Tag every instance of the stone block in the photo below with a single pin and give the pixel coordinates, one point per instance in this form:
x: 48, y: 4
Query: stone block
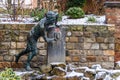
x: 90, y: 73
x: 67, y: 39
x: 89, y: 52
x: 29, y: 26
x: 2, y: 26
x: 7, y: 26
x: 17, y: 65
x: 91, y: 58
x: 70, y: 45
x: 87, y: 45
x: 73, y: 78
x: 76, y: 28
x: 95, y: 46
x: 103, y: 46
x: 111, y: 46
x: 15, y: 38
x: 68, y: 59
x: 111, y: 28
x: 22, y: 27
x: 88, y: 34
x: 24, y: 33
x: 75, y: 58
x: 5, y: 64
x: 101, y: 28
x: 109, y: 52
x: 4, y: 45
x: 90, y: 40
x: 45, y: 68
x: 111, y: 58
x: 109, y: 40
x: 100, y: 39
x: 98, y: 52
x: 4, y: 52
x: 15, y: 26
x: 106, y: 34
x: 13, y: 52
x: 8, y: 58
x: 108, y: 65
x: 102, y: 58
x: 79, y: 46
x: 13, y: 45
x: 59, y: 78
x: 22, y: 38
x: 73, y: 39
x: 77, y: 33
x: 41, y: 45
x: 79, y: 28
x: 74, y: 52
x: 58, y: 64
x: 81, y: 39
x: 1, y: 58
x: 42, y: 52
x: 83, y: 59
x: 58, y: 71
x: 91, y: 28
x: 21, y: 45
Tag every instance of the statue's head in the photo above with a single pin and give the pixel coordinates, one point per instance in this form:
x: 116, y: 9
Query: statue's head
x: 51, y: 17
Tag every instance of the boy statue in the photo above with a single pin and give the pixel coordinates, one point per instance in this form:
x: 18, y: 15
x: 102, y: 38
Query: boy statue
x: 39, y: 30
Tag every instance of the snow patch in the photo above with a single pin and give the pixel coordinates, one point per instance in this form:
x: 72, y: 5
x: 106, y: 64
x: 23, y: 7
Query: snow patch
x: 73, y: 73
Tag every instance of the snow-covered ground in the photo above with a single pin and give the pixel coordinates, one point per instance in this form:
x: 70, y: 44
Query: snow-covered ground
x: 99, y: 73
x: 100, y: 20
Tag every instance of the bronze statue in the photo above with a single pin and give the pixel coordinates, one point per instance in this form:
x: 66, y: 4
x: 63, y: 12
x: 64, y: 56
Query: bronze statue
x: 39, y: 30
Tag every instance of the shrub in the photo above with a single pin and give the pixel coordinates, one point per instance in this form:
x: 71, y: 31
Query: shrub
x: 75, y: 12
x: 9, y: 74
x: 91, y: 19
x: 75, y: 3
x: 38, y: 14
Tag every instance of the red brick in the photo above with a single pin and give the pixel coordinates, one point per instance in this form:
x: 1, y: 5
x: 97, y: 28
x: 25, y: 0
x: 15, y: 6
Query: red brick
x: 5, y: 64
x: 117, y: 35
x: 76, y: 58
x: 91, y: 58
x: 117, y: 56
x: 17, y: 65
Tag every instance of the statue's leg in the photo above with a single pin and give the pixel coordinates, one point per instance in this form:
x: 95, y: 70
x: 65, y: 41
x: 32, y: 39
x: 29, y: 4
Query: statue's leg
x: 25, y: 51
x: 30, y: 57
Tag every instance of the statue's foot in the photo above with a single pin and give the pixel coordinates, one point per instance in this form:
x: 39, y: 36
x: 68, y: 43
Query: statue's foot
x: 16, y: 58
x: 28, y: 68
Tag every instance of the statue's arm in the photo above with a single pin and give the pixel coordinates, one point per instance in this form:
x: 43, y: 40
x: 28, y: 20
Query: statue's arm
x: 48, y: 39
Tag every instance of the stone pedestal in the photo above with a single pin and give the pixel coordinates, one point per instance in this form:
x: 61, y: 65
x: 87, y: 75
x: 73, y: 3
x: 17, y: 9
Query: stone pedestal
x: 56, y: 49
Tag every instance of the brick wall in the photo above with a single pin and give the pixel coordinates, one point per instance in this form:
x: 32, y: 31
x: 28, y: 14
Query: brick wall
x: 90, y: 44
x: 112, y: 11
x: 85, y: 45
